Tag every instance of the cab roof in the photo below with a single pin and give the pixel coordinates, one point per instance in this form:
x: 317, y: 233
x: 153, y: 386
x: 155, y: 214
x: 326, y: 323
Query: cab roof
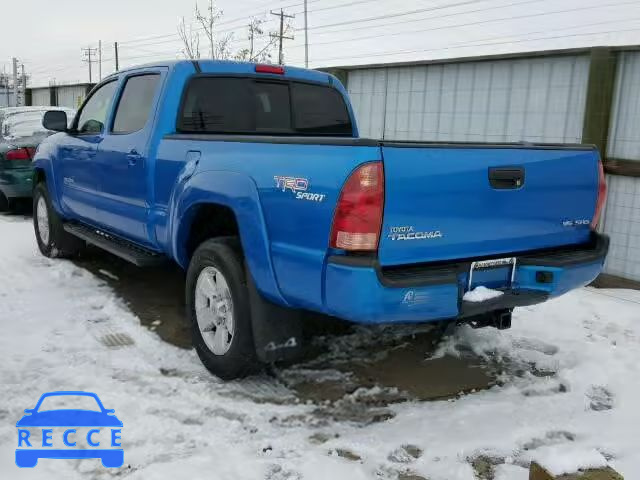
x: 233, y: 67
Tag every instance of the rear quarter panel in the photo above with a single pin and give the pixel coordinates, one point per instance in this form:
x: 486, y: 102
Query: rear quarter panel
x: 285, y: 238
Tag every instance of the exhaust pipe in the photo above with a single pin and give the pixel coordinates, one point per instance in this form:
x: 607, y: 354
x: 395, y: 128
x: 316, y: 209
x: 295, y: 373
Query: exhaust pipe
x: 500, y: 319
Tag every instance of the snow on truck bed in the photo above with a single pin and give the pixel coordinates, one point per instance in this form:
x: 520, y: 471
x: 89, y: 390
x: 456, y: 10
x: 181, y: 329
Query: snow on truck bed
x: 574, y: 405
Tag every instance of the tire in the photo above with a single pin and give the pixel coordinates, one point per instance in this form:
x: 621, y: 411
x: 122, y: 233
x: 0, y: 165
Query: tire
x: 53, y: 242
x: 217, y: 302
x: 4, y: 203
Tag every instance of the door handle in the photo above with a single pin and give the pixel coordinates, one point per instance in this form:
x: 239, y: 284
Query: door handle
x: 133, y: 156
x: 506, y: 178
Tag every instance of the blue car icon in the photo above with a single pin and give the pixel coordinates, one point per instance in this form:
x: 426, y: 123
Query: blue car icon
x: 97, y: 416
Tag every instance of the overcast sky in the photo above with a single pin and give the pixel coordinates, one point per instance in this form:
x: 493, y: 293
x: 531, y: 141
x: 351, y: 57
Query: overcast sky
x: 47, y: 36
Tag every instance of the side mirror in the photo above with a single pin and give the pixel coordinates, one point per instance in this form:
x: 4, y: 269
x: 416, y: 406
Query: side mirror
x: 55, y: 120
x: 29, y: 410
x: 109, y: 411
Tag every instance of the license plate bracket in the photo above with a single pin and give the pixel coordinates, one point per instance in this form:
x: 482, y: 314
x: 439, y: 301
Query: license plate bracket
x: 493, y: 263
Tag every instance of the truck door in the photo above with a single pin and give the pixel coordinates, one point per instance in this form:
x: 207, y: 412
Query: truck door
x: 77, y: 157
x: 123, y: 159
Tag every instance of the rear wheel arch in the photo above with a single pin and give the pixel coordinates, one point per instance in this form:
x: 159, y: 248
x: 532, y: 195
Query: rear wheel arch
x: 237, y: 196
x: 202, y: 222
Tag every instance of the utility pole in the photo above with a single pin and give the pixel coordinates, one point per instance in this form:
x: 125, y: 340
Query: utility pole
x: 24, y: 86
x: 281, y: 36
x: 88, y: 52
x: 306, y: 37
x: 115, y: 47
x: 4, y: 81
x: 251, y: 37
x: 99, y: 60
x: 15, y: 81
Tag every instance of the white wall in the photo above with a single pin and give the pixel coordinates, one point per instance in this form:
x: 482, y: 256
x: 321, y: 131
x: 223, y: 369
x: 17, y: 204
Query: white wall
x: 531, y: 99
x: 40, y: 96
x: 622, y: 214
x: 6, y: 97
x: 71, y: 96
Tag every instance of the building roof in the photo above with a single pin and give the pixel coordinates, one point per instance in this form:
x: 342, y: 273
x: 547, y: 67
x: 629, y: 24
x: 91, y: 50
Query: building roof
x: 499, y: 56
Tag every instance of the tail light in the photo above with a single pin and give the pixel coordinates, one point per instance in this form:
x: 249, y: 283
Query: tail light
x: 20, y: 154
x: 602, y: 195
x: 276, y: 69
x: 358, y: 216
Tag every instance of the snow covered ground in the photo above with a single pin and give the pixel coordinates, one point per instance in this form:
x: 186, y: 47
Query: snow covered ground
x: 569, y: 394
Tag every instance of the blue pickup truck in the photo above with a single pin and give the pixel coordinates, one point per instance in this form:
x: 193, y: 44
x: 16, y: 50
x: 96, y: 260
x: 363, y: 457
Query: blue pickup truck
x: 254, y: 180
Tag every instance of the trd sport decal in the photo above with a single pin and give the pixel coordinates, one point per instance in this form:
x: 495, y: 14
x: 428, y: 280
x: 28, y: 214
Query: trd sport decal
x: 298, y: 186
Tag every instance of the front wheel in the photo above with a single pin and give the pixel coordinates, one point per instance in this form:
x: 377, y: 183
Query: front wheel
x: 4, y: 203
x: 218, y: 308
x: 53, y: 240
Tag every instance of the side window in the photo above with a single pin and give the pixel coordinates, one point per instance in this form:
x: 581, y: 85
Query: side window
x: 319, y: 110
x: 94, y: 112
x: 134, y: 107
x: 272, y: 109
x: 218, y: 105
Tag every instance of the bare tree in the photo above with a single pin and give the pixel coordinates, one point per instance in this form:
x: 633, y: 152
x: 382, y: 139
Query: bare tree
x: 190, y: 39
x: 219, y: 45
x: 257, y: 51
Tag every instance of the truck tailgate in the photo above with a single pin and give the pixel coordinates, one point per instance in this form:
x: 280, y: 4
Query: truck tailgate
x: 452, y: 202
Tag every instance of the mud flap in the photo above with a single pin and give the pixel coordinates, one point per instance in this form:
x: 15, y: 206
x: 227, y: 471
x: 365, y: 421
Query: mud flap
x: 277, y: 331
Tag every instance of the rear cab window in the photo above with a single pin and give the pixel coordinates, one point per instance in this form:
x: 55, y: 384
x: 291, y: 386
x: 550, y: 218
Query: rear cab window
x: 256, y: 106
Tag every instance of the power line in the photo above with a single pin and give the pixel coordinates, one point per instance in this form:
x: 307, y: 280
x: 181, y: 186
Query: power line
x: 197, y: 30
x: 167, y: 38
x: 243, y: 18
x: 400, y: 14
x: 606, y: 22
x: 401, y: 52
x: 415, y: 20
x: 135, y: 44
x: 467, y: 24
x: 342, y: 5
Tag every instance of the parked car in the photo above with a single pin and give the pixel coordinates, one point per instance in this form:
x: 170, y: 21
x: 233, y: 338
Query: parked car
x: 21, y: 131
x: 253, y: 178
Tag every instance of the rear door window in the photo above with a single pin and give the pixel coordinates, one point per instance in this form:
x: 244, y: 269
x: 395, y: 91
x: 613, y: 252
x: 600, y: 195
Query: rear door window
x: 136, y: 102
x: 255, y: 106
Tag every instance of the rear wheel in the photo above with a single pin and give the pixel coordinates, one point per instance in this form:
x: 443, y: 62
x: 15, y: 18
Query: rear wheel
x: 218, y: 309
x: 53, y: 240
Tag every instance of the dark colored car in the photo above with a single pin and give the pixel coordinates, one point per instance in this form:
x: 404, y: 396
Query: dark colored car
x: 21, y: 132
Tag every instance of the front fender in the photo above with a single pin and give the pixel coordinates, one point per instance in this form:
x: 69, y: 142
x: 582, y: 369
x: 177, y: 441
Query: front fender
x: 239, y: 193
x: 43, y: 162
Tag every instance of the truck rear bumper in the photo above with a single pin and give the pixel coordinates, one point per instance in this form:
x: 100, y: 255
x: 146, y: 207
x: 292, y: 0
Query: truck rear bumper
x: 359, y: 290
